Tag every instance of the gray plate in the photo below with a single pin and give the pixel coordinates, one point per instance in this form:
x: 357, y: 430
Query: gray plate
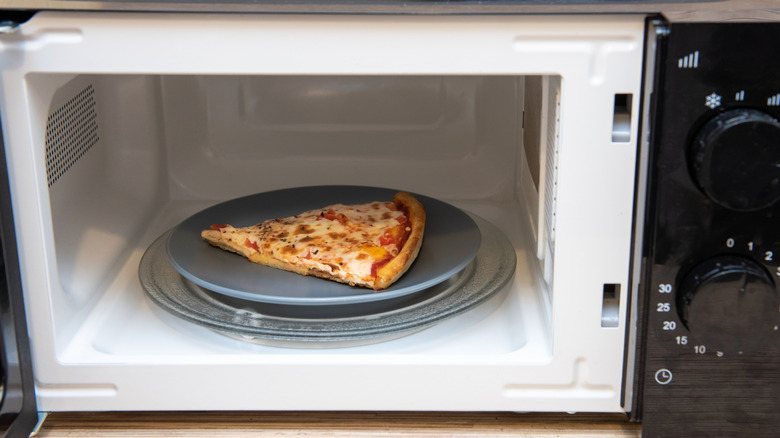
x: 450, y: 243
x: 361, y: 323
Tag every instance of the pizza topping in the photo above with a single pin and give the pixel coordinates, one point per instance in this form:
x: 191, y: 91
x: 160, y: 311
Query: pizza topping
x: 386, y: 239
x: 249, y: 244
x: 379, y: 264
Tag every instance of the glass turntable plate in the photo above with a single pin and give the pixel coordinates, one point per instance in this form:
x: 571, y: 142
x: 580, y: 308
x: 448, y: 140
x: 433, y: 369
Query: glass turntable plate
x: 450, y: 242
x: 337, y: 325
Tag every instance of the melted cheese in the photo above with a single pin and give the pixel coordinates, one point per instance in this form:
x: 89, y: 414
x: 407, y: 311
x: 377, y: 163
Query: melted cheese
x: 345, y: 241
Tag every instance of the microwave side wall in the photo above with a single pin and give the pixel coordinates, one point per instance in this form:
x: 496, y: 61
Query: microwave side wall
x: 176, y: 132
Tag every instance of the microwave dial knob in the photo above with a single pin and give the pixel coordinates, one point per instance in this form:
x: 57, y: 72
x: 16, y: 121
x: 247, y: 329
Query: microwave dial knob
x: 729, y: 304
x: 735, y: 159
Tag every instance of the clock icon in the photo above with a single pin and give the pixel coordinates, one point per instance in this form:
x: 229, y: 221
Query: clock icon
x: 663, y: 376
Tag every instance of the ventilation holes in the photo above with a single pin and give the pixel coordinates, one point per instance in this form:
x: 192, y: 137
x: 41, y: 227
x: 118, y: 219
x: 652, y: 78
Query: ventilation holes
x: 71, y: 131
x: 551, y: 174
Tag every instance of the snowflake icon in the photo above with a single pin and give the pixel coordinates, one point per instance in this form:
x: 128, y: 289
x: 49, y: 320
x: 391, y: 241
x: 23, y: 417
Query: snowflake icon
x: 713, y: 100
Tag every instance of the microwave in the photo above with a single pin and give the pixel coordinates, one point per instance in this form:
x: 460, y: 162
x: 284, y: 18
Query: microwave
x: 618, y: 164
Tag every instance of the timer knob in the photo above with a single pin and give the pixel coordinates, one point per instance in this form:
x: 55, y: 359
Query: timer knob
x: 729, y: 304
x: 735, y: 158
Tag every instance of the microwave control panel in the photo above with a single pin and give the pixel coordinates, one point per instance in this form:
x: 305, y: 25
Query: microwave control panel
x: 711, y: 288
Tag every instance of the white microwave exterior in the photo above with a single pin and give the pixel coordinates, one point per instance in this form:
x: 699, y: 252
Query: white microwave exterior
x: 577, y: 366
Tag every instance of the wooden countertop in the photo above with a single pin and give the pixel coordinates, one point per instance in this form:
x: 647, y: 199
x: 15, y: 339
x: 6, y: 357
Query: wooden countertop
x: 335, y: 424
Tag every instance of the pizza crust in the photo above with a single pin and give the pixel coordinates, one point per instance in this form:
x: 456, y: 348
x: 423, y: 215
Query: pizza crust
x: 389, y: 273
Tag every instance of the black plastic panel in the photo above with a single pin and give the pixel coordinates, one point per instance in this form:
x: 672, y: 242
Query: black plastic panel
x: 691, y: 388
x: 18, y: 411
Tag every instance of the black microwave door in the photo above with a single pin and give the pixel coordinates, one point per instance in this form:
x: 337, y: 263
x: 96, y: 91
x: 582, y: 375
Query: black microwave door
x: 18, y: 411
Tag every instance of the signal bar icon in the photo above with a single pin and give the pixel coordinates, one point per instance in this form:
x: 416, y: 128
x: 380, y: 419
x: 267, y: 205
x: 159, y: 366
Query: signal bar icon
x: 773, y: 100
x: 689, y: 61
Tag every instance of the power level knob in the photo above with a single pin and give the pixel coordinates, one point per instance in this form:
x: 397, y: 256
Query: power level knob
x: 735, y: 158
x: 729, y: 304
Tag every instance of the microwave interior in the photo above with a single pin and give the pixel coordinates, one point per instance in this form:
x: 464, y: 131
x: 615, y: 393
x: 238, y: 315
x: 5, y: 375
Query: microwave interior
x: 129, y: 157
x: 545, y: 155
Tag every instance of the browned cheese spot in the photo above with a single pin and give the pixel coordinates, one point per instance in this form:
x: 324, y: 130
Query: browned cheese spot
x: 304, y: 229
x: 289, y: 250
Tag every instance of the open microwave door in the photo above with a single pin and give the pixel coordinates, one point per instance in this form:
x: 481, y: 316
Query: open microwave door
x: 18, y: 411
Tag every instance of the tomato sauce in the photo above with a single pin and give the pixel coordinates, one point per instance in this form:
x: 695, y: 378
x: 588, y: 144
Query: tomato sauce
x: 249, y: 244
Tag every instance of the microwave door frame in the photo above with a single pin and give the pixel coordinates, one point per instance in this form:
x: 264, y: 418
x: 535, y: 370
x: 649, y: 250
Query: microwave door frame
x: 18, y: 408
x: 657, y: 28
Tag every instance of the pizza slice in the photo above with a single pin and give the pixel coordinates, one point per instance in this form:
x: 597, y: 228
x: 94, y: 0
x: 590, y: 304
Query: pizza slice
x: 369, y: 245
